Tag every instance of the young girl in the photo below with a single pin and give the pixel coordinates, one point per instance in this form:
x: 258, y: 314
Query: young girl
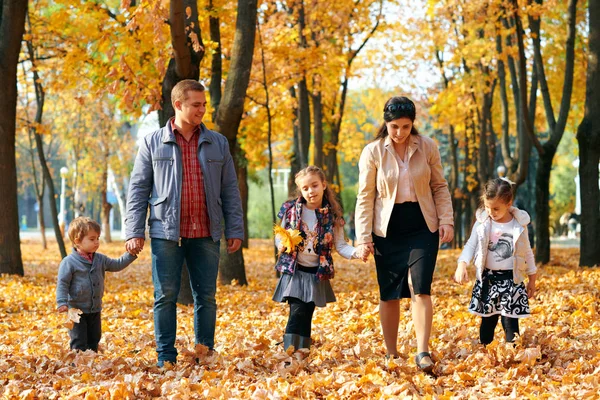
x: 307, y: 268
x: 81, y: 282
x: 503, y: 258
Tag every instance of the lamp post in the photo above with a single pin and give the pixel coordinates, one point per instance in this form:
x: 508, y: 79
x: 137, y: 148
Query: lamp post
x: 61, y: 217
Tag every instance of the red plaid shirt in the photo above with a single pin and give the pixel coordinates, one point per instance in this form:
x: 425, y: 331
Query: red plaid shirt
x: 194, y: 221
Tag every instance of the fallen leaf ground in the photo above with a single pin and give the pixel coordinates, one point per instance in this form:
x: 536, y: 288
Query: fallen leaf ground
x: 556, y: 357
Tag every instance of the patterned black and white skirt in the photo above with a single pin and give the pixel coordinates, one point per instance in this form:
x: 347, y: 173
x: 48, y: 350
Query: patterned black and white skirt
x: 498, y: 294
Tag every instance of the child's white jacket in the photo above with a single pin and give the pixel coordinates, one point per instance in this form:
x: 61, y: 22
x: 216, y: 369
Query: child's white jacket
x: 477, y: 246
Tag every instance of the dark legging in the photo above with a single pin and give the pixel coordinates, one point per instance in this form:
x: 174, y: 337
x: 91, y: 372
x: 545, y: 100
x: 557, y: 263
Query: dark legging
x: 488, y: 324
x: 300, y: 319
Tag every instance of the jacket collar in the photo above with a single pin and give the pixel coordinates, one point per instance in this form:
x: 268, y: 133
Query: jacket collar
x: 521, y: 216
x: 169, y: 136
x: 413, y: 144
x: 81, y: 258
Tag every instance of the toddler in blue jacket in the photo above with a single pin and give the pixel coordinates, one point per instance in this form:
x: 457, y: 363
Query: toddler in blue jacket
x: 81, y: 282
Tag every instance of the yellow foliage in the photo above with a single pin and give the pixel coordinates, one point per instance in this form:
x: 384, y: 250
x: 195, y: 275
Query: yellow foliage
x: 556, y: 353
x: 289, y: 238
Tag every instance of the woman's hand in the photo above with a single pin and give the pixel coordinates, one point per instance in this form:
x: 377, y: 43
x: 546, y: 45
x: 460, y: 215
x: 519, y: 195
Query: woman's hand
x: 364, y: 250
x: 461, y: 276
x: 446, y: 233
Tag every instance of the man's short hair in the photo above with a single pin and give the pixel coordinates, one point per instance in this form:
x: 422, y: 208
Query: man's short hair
x: 180, y: 91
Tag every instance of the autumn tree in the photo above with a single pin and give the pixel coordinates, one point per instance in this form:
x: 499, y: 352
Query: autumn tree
x: 588, y: 136
x: 229, y: 116
x: 35, y: 128
x: 12, y: 24
x: 555, y: 124
x: 188, y: 51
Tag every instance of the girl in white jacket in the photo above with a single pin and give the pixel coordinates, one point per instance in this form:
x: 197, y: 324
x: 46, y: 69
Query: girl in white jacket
x: 502, y: 255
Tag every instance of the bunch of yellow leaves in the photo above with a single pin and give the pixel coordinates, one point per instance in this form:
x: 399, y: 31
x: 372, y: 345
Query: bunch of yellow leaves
x: 289, y: 238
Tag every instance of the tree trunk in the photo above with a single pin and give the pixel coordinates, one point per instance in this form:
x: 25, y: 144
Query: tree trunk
x: 39, y: 189
x: 555, y: 127
x: 230, y: 113
x: 188, y: 49
x: 542, y: 200
x: 304, y: 121
x: 41, y: 222
x: 483, y: 168
x: 12, y: 23
x: 318, y: 128
x: 588, y: 136
x: 331, y: 161
x: 303, y: 95
x: 267, y: 105
x: 295, y: 163
x: 242, y: 175
x: 217, y: 63
x: 51, y: 196
x: 106, y: 207
x: 40, y: 98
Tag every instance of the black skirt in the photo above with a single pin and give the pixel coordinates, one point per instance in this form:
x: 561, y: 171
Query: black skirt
x: 408, y: 245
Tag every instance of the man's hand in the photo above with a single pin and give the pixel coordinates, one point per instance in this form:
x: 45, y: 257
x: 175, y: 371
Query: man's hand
x: 446, y: 233
x: 63, y: 308
x: 134, y: 246
x: 233, y: 245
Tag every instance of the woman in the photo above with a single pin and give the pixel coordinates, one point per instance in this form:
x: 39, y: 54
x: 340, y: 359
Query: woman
x: 403, y: 209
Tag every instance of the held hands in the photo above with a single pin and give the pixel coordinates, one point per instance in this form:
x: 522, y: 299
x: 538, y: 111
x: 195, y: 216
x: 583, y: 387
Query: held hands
x: 461, y: 276
x: 364, y: 250
x: 134, y: 246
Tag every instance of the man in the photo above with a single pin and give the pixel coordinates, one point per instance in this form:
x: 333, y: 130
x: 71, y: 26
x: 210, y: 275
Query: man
x: 185, y: 174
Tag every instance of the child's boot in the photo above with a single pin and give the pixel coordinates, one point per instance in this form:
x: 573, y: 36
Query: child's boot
x: 292, y: 339
x: 305, y: 343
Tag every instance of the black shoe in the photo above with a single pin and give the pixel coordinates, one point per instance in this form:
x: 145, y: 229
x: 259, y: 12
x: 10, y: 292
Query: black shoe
x: 425, y: 367
x: 163, y: 363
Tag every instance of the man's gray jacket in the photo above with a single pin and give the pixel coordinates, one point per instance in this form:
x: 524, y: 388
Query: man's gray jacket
x: 156, y: 182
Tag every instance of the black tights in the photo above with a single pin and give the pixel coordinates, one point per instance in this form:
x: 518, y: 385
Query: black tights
x: 300, y: 319
x: 488, y: 324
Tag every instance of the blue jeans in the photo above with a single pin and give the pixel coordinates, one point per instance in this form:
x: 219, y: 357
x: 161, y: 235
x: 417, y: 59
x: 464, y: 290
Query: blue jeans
x: 202, y: 258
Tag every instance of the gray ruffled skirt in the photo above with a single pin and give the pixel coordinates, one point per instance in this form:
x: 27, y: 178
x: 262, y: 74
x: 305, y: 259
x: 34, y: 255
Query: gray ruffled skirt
x: 304, y: 286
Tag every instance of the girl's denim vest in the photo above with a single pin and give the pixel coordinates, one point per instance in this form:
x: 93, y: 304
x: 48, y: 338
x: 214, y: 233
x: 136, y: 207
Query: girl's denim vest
x: 292, y: 210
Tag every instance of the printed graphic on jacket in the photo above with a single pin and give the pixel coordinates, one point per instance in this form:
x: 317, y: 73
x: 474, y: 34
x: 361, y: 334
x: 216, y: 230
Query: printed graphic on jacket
x: 311, y: 237
x: 500, y: 246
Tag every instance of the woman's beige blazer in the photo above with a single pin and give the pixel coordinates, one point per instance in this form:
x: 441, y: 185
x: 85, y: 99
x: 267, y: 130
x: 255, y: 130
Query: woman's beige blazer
x: 378, y: 183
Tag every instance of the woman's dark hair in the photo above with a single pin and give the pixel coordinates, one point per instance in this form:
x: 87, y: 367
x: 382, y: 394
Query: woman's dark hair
x: 397, y: 107
x: 498, y: 189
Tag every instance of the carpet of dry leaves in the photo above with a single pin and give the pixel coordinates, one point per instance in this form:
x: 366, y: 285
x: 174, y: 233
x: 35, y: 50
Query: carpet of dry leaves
x: 556, y: 357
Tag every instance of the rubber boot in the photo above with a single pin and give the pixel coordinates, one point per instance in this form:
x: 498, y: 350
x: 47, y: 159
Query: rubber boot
x: 305, y: 343
x: 292, y: 339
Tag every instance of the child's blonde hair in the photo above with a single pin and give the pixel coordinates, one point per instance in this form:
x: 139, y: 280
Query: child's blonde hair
x: 335, y: 205
x: 80, y: 227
